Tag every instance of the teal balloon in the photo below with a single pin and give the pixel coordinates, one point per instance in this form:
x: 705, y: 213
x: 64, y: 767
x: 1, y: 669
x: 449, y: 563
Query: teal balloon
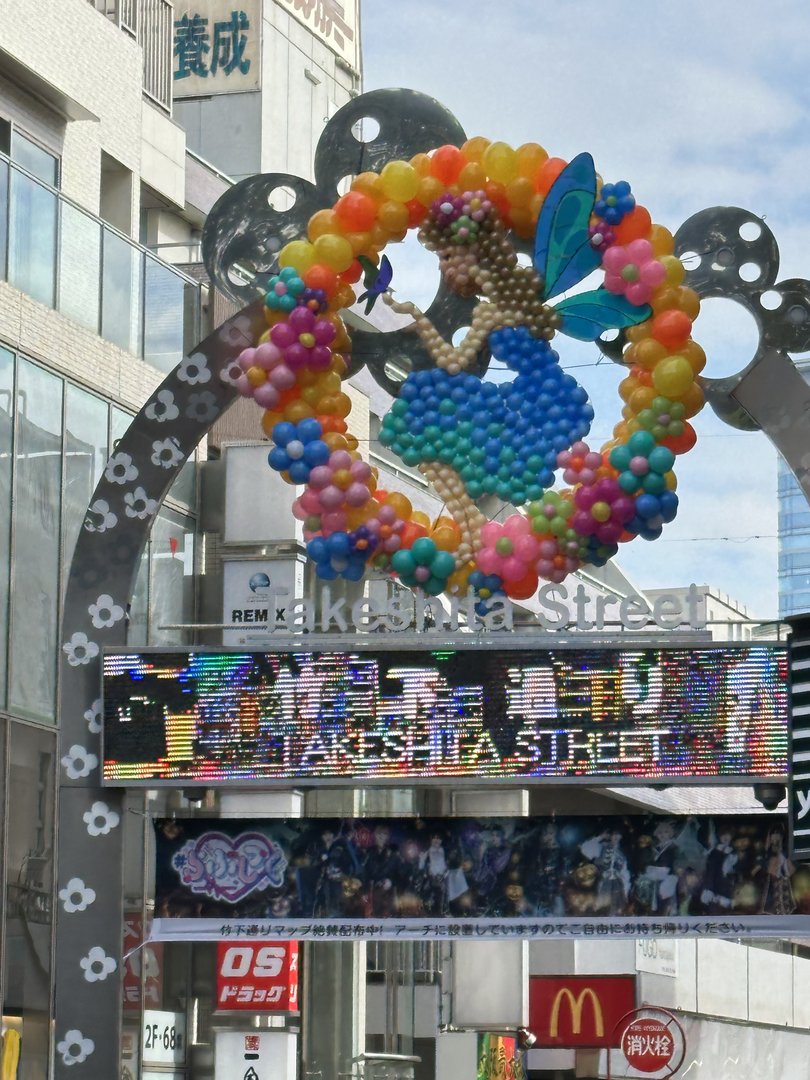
x: 403, y: 561
x: 661, y: 459
x: 654, y: 483
x: 620, y: 458
x: 443, y: 564
x: 475, y: 490
x: 628, y: 482
x: 411, y: 457
x: 640, y: 443
x: 433, y: 586
x: 423, y: 550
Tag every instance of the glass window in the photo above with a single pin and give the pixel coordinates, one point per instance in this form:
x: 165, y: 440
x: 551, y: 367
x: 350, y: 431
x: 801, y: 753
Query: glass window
x: 121, y: 293
x: 85, y: 456
x: 3, y: 219
x: 29, y: 891
x: 6, y: 449
x: 79, y: 258
x: 164, y: 299
x: 38, y: 162
x: 171, y: 590
x: 32, y: 238
x: 35, y: 607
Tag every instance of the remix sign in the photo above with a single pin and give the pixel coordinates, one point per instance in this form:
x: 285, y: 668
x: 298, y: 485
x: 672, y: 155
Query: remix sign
x: 257, y: 976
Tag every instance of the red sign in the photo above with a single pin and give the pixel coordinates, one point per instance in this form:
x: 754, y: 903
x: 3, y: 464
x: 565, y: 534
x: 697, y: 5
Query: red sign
x: 259, y: 976
x: 571, y: 1010
x: 149, y: 957
x: 648, y: 1045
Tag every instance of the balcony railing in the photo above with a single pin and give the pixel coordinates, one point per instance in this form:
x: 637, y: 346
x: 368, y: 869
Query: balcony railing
x: 74, y: 262
x: 150, y: 22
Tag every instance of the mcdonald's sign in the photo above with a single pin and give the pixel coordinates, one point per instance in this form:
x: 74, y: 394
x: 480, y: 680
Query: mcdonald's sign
x: 579, y: 1010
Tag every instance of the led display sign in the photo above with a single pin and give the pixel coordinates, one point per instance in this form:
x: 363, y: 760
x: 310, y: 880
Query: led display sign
x: 211, y: 718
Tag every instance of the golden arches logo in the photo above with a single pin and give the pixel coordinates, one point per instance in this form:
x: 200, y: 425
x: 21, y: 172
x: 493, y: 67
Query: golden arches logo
x: 576, y: 1006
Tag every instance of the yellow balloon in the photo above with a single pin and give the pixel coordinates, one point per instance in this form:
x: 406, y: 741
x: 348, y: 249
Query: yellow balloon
x: 530, y: 158
x: 333, y: 251
x: 399, y: 181
x: 500, y: 162
x: 673, y: 377
x: 674, y: 268
x: 420, y: 518
x: 475, y: 148
x: 662, y: 240
x: 299, y: 254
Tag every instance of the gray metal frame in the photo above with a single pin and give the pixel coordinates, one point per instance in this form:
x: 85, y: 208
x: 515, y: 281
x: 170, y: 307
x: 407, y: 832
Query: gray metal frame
x: 89, y: 910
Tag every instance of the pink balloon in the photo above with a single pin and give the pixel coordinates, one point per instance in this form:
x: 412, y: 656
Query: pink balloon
x: 332, y: 497
x: 267, y: 356
x: 360, y: 470
x: 301, y: 320
x: 311, y: 501
x: 515, y: 526
x: 334, y: 521
x: 266, y: 396
x: 283, y: 335
x: 244, y: 386
x: 386, y: 514
x: 527, y: 548
x: 583, y: 523
x: 548, y: 549
x: 488, y: 561
x: 324, y: 332
x: 299, y: 511
x: 513, y: 569
x: 490, y: 534
x: 320, y: 357
x: 281, y: 377
x: 245, y: 359
x: 320, y: 477
x: 608, y: 532
x: 357, y: 494
x: 297, y: 356
x: 340, y: 459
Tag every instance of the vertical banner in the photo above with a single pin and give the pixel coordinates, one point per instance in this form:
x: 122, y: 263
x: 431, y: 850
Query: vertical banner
x: 258, y: 976
x: 799, y: 664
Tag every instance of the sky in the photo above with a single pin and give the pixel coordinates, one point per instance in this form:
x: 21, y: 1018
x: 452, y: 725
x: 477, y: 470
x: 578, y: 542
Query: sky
x: 699, y: 103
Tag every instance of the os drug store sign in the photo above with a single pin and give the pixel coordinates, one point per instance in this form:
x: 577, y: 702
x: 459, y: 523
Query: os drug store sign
x: 257, y: 976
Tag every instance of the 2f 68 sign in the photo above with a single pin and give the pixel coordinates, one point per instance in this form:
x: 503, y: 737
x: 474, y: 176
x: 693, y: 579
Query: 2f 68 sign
x: 258, y: 976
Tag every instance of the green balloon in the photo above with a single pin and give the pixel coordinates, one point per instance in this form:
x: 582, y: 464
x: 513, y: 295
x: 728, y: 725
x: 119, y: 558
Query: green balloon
x: 654, y: 483
x: 423, y: 550
x: 442, y: 565
x: 403, y: 561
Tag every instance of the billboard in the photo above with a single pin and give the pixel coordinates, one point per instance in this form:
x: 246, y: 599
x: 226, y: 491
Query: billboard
x: 572, y: 1010
x: 216, y: 47
x: 397, y: 714
x: 390, y: 878
x: 257, y: 976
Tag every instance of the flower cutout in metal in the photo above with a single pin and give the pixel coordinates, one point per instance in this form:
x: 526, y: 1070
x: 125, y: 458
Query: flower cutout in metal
x: 166, y: 453
x: 139, y: 505
x: 80, y: 650
x: 194, y: 369
x: 100, y: 819
x: 75, y: 1048
x: 105, y: 612
x: 120, y: 469
x: 97, y: 965
x: 162, y: 407
x: 76, y: 896
x: 79, y: 762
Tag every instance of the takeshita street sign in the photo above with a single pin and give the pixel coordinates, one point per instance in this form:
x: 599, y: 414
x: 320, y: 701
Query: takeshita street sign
x: 200, y: 717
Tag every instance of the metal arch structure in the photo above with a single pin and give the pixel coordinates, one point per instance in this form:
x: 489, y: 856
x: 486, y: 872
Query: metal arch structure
x: 768, y: 393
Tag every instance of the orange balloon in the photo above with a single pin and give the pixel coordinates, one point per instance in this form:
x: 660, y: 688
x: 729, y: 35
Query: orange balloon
x: 421, y: 164
x: 369, y: 184
x: 356, y: 211
x: 680, y: 444
x: 446, y: 163
x: 634, y: 226
x: 523, y: 589
x: 321, y: 223
x: 393, y: 216
x: 430, y: 188
x: 646, y: 353
x: 671, y: 328
x: 475, y: 148
x: 548, y: 173
x: 416, y: 213
x: 662, y: 240
x: 353, y: 274
x: 472, y: 177
x: 410, y: 532
x: 297, y: 411
x: 321, y: 277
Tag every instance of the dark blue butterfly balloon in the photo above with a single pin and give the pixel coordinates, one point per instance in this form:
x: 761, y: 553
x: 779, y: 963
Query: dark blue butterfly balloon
x: 376, y: 281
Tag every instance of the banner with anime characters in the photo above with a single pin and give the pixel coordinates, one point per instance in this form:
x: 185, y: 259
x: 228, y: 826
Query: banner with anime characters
x: 390, y: 878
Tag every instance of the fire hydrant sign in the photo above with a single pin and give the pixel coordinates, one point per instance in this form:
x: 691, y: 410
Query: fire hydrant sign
x: 648, y: 1045
x: 260, y: 976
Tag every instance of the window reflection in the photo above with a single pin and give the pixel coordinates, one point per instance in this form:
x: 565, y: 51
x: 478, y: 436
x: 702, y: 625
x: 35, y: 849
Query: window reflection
x: 32, y: 238
x: 79, y: 257
x: 6, y: 434
x: 85, y: 456
x: 164, y: 299
x: 34, y: 612
x: 121, y: 293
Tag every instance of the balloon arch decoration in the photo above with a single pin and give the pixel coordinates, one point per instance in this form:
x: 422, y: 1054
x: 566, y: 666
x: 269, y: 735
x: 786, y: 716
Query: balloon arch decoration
x: 479, y: 206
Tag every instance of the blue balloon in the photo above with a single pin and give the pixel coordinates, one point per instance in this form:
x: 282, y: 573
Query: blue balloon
x: 278, y: 459
x: 283, y: 433
x: 299, y: 472
x: 309, y: 429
